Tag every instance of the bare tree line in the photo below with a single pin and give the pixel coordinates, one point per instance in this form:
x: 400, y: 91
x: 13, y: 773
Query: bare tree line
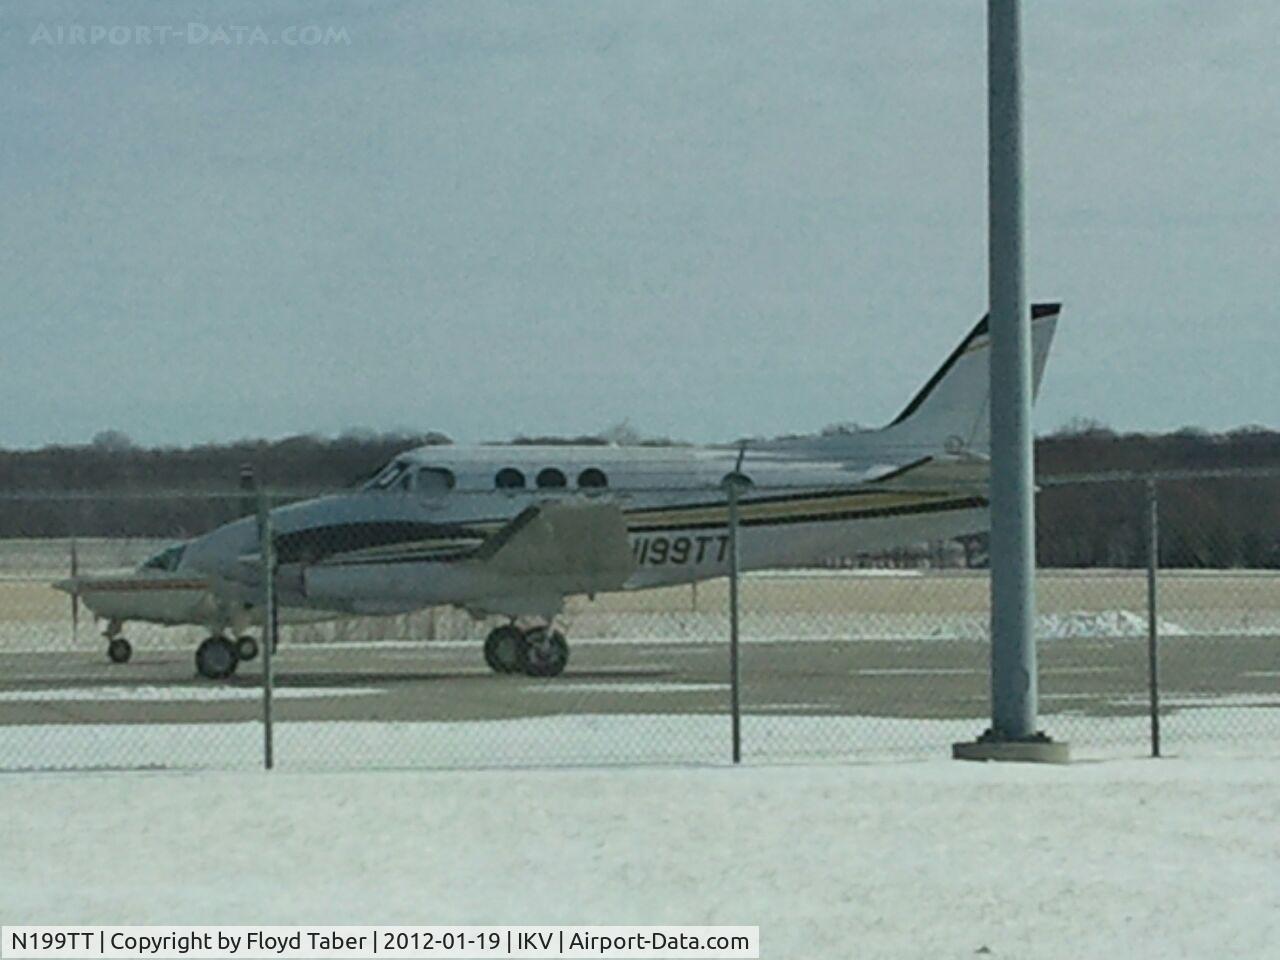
x: 1212, y: 522
x: 101, y: 489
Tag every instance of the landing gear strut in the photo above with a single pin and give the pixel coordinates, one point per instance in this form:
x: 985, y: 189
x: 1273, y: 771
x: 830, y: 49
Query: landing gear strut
x: 537, y: 652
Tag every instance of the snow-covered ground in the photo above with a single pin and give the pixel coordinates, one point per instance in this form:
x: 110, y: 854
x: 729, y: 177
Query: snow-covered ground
x: 1119, y: 858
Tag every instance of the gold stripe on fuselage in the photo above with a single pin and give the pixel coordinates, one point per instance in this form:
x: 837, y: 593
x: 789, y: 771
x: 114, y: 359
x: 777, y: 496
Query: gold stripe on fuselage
x: 809, y: 506
x: 142, y: 584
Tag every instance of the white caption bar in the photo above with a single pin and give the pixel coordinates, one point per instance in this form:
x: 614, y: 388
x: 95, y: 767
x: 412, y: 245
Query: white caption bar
x: 396, y: 942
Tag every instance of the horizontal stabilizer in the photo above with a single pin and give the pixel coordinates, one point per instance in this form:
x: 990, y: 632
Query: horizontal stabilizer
x: 958, y: 472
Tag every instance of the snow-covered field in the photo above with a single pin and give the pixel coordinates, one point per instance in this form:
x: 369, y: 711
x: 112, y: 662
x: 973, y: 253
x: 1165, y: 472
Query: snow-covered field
x: 937, y: 859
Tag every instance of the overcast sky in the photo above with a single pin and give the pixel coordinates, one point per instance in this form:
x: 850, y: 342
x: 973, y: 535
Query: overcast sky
x: 715, y: 219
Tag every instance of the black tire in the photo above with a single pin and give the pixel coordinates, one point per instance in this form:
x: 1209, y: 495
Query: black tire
x: 502, y: 649
x: 119, y: 650
x: 246, y: 648
x: 545, y: 653
x: 216, y: 658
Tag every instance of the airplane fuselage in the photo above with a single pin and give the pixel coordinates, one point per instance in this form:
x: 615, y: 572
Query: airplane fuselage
x: 396, y: 544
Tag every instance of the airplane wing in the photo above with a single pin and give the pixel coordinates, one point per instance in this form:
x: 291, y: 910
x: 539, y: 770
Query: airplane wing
x: 568, y: 546
x: 548, y: 552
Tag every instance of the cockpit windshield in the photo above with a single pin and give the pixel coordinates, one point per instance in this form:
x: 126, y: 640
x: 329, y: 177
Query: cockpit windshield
x: 167, y: 559
x: 386, y: 478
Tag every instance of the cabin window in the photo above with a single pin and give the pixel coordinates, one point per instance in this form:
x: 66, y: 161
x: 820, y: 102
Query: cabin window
x: 509, y: 478
x: 435, y: 480
x: 592, y: 478
x: 551, y: 477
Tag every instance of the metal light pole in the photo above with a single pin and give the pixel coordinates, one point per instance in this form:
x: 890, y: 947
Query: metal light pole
x: 1013, y: 607
x: 1013, y: 734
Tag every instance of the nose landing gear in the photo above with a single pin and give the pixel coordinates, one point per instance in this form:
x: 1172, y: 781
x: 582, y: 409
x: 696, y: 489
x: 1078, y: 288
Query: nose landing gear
x: 536, y: 652
x: 119, y: 650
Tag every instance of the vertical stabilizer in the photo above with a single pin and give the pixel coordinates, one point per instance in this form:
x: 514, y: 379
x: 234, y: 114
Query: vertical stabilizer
x: 951, y: 411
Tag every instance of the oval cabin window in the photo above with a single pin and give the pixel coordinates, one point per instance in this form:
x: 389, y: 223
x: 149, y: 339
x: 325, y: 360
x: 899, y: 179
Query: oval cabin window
x: 551, y: 477
x: 509, y: 478
x: 592, y: 478
x: 435, y: 480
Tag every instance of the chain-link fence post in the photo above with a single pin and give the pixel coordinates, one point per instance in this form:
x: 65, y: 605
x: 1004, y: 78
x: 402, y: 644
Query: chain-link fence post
x: 731, y: 489
x: 267, y: 554
x: 1153, y: 662
x: 75, y: 591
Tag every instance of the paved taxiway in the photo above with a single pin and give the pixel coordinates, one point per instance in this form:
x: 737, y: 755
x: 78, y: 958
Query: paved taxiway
x: 448, y: 681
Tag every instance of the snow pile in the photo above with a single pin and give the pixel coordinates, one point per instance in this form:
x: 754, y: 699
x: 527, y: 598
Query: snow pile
x: 680, y: 627
x: 1074, y: 625
x: 176, y: 693
x: 1135, y: 859
x: 713, y: 627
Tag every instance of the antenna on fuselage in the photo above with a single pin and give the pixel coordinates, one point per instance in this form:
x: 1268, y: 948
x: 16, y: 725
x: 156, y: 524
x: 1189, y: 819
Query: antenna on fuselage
x: 248, y: 501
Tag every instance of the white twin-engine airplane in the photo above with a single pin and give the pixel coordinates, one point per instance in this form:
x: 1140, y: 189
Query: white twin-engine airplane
x: 512, y: 531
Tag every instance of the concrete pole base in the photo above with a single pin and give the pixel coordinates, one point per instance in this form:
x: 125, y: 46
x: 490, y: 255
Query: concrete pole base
x: 1035, y: 749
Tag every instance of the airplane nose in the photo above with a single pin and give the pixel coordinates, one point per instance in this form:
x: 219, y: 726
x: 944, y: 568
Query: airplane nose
x: 70, y: 585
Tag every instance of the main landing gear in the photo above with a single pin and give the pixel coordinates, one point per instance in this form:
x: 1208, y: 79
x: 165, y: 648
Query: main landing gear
x: 536, y: 652
x: 217, y: 657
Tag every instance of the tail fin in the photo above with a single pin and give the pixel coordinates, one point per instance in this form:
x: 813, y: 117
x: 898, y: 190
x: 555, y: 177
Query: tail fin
x: 951, y: 412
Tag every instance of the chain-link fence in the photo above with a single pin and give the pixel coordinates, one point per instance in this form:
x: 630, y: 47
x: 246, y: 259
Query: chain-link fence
x: 1176, y: 577
x: 130, y: 639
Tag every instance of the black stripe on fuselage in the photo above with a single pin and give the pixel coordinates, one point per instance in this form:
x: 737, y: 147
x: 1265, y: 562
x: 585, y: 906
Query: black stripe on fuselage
x: 936, y: 506
x: 317, y: 543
